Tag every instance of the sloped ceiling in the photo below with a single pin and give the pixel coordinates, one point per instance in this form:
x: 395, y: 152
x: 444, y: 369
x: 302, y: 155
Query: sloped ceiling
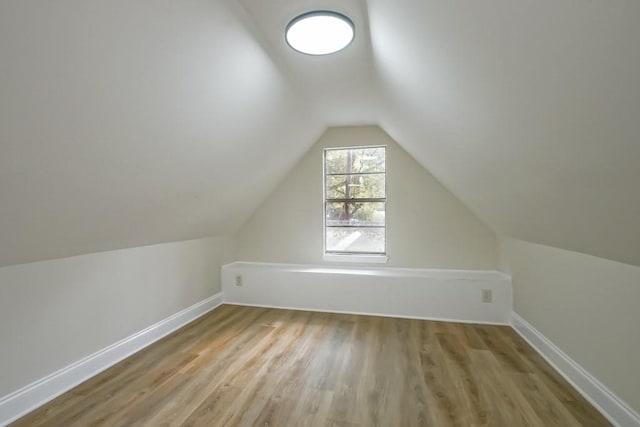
x: 528, y: 111
x: 131, y: 123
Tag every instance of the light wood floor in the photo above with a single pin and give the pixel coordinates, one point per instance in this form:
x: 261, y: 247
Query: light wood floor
x: 266, y: 367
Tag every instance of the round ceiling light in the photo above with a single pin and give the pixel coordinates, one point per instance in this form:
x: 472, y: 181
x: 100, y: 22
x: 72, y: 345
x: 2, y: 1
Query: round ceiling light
x: 319, y: 32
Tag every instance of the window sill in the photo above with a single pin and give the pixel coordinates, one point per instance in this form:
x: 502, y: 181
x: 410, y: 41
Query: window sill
x: 373, y: 259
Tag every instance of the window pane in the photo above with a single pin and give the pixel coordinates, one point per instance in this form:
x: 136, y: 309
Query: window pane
x: 354, y: 225
x: 345, y: 239
x: 359, y: 160
x: 356, y: 186
x: 355, y: 213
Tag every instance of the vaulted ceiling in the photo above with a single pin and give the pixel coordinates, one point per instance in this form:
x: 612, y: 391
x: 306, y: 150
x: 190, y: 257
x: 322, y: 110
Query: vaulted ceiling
x: 130, y: 123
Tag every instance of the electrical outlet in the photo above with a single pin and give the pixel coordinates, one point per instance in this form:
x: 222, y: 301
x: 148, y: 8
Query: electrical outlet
x: 487, y: 295
x: 238, y: 280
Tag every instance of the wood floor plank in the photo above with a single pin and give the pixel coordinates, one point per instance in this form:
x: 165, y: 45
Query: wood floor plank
x: 245, y: 366
x: 458, y: 363
x: 551, y: 411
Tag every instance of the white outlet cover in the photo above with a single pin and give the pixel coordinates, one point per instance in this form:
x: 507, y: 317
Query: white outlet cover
x: 487, y: 295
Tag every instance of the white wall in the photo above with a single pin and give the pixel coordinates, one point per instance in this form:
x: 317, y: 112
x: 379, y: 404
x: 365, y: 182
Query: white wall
x: 427, y: 227
x: 53, y: 313
x: 398, y: 292
x: 586, y: 306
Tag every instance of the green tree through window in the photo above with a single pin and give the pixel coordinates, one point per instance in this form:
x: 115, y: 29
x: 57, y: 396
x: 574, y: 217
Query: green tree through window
x: 355, y: 200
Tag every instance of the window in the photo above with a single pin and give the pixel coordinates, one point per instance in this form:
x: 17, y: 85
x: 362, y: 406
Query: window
x: 355, y: 201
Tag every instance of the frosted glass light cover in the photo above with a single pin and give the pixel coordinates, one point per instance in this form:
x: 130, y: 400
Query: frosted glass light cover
x: 319, y: 33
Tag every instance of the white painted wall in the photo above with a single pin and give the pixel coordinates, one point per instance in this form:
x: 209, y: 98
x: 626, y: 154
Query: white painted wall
x: 398, y: 292
x: 586, y: 306
x: 54, y: 313
x: 427, y: 227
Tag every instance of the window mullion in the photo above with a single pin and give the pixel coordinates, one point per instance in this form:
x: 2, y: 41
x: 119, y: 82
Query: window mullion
x: 354, y: 200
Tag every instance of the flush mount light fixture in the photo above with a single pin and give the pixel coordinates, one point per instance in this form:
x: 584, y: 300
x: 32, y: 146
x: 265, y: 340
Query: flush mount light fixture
x: 319, y: 32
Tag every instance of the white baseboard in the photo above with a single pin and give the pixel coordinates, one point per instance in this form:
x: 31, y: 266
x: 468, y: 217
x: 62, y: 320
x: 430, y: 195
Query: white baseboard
x: 363, y: 313
x: 28, y: 398
x: 610, y: 405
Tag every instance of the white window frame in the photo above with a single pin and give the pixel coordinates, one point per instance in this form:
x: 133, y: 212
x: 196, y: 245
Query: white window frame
x: 352, y: 257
